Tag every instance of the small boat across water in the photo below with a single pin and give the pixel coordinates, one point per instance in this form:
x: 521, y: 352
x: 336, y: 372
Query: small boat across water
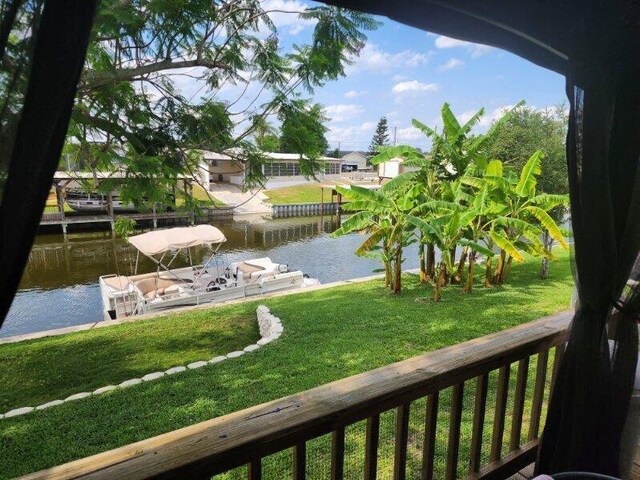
x: 211, y: 282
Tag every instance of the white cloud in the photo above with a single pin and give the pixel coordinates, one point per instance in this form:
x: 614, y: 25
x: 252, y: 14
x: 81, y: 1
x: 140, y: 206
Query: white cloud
x: 414, y: 86
x: 474, y: 49
x: 398, y: 78
x: 285, y: 15
x: 342, y: 111
x: 354, y: 136
x: 450, y: 64
x: 487, y: 119
x: 355, y: 93
x: 372, y: 58
x: 406, y: 135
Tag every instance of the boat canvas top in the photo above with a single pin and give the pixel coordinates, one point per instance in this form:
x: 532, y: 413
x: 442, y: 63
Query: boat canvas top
x: 161, y: 241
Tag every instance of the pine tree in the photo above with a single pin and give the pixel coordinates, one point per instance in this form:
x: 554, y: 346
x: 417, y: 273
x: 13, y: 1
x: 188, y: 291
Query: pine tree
x: 381, y: 137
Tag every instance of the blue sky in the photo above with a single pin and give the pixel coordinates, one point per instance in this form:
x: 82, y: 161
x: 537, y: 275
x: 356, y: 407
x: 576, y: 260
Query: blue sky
x: 406, y: 73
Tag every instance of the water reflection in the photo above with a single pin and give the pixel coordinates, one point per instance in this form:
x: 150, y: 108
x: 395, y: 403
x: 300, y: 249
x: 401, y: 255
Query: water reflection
x: 59, y: 286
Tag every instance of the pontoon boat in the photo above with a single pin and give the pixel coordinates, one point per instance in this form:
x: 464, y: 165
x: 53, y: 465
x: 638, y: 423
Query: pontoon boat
x: 211, y: 282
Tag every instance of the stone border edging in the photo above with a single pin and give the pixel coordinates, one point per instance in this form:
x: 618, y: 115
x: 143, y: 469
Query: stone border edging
x: 270, y: 328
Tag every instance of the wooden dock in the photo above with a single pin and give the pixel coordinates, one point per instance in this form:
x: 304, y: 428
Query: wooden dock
x: 107, y: 221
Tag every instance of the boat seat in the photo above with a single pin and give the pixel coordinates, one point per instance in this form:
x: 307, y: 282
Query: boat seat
x: 246, y: 270
x: 154, y: 286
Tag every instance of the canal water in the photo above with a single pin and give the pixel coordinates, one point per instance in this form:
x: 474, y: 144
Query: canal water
x: 59, y: 287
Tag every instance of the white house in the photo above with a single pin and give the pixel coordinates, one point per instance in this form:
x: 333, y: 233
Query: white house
x: 281, y: 168
x: 352, y: 161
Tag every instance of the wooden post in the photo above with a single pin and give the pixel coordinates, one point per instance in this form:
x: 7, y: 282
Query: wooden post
x: 337, y: 454
x: 110, y: 204
x: 60, y: 200
x: 299, y: 461
x: 155, y: 218
x: 110, y: 212
x: 321, y: 208
x: 478, y: 422
x: 371, y: 448
x: 402, y: 438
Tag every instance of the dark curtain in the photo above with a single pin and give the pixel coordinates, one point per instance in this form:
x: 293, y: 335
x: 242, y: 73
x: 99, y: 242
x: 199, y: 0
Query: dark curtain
x: 595, y: 381
x: 42, y: 49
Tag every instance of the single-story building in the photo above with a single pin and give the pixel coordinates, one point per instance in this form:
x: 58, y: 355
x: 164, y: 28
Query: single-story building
x: 352, y: 161
x: 223, y: 167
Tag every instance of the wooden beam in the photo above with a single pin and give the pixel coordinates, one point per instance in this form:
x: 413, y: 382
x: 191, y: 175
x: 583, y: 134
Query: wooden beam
x: 509, y: 464
x: 217, y: 445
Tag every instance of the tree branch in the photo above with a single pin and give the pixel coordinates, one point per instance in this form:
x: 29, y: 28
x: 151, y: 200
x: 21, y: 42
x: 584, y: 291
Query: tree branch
x: 93, y: 79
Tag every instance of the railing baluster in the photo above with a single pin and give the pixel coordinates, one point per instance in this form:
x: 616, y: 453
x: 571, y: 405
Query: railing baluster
x: 337, y: 454
x: 479, y: 411
x: 454, y: 432
x: 501, y: 408
x: 557, y: 359
x: 518, y: 404
x: 371, y: 448
x: 300, y: 461
x: 538, y: 394
x: 255, y: 469
x: 402, y: 437
x: 429, y: 448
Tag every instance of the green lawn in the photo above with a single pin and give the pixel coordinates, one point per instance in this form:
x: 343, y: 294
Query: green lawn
x: 329, y: 334
x: 91, y: 359
x: 199, y: 193
x: 307, y: 193
x: 52, y: 206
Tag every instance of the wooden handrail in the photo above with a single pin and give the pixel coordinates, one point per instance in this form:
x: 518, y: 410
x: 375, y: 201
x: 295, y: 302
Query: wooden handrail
x: 246, y: 436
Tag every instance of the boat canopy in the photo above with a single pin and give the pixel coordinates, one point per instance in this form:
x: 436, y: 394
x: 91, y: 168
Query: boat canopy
x: 161, y: 241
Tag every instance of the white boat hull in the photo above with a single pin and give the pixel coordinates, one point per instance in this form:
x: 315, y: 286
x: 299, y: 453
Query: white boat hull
x: 126, y: 296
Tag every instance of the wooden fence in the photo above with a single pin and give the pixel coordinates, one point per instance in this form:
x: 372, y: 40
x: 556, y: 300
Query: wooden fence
x: 483, y: 365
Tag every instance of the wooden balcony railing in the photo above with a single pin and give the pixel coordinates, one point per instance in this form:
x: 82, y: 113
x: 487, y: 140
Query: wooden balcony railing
x: 467, y: 386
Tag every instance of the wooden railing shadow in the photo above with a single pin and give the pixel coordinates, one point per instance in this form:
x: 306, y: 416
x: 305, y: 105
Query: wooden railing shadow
x: 247, y: 437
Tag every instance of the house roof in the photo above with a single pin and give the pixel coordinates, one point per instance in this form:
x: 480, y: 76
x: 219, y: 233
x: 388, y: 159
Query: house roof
x: 291, y: 157
x: 344, y: 153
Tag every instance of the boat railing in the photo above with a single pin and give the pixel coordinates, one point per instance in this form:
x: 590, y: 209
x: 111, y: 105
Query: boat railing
x: 447, y: 414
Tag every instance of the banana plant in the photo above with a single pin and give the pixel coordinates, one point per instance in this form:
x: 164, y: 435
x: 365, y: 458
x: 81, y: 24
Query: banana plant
x: 454, y: 149
x: 445, y: 232
x: 424, y: 178
x: 380, y: 215
x: 520, y: 215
